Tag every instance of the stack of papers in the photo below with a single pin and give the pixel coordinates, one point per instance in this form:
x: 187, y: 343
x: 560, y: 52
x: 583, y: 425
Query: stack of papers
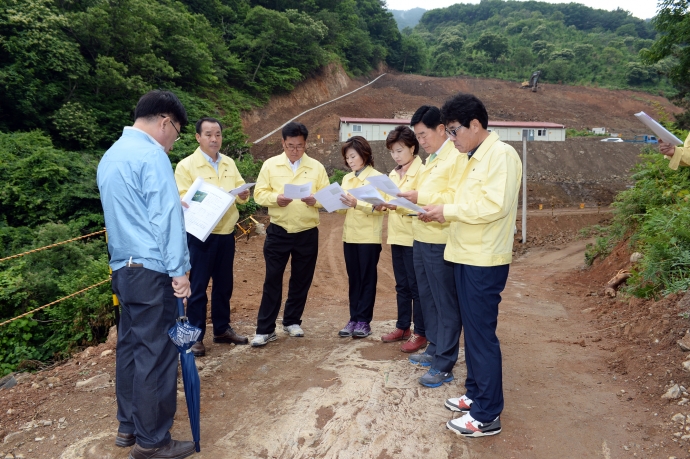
x: 207, y: 205
x: 329, y: 197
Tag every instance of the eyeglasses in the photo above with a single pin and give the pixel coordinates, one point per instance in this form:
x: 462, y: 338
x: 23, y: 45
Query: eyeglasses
x: 173, y: 125
x: 294, y: 147
x: 453, y: 132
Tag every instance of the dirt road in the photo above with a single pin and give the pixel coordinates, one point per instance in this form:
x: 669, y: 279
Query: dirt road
x: 322, y: 396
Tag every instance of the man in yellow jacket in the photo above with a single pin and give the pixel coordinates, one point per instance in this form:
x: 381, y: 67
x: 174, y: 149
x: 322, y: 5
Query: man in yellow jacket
x: 435, y: 281
x: 480, y: 247
x: 214, y: 257
x: 292, y: 233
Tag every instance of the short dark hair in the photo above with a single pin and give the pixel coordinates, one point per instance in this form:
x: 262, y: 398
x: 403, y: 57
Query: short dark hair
x: 294, y: 129
x: 362, y: 147
x: 158, y: 102
x: 207, y: 119
x: 427, y: 114
x: 464, y: 108
x: 404, y: 135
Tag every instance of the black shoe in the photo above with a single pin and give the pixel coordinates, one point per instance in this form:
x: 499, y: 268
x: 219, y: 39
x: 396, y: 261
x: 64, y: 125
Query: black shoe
x: 230, y: 337
x: 173, y: 450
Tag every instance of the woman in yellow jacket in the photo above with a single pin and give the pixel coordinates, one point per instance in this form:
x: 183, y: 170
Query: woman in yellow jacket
x: 404, y: 149
x: 361, y: 239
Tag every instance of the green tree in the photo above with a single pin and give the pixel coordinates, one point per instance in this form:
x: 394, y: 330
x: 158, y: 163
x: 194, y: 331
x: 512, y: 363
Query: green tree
x: 492, y: 44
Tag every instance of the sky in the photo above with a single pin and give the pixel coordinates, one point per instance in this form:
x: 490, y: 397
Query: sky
x: 643, y: 9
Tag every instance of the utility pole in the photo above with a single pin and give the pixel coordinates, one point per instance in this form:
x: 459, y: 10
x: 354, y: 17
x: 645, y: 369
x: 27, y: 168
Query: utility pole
x: 524, y: 185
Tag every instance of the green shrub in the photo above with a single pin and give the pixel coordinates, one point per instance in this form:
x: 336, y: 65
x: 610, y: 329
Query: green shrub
x: 337, y: 176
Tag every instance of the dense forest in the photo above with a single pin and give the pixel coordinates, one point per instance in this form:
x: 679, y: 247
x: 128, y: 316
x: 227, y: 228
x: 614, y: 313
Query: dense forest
x: 71, y: 72
x: 569, y: 43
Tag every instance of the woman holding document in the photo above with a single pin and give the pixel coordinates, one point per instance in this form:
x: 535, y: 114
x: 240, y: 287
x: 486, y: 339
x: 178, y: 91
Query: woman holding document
x: 404, y: 149
x: 361, y: 239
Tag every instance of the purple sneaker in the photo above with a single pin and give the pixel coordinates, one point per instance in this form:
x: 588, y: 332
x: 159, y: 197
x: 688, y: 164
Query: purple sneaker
x: 362, y: 329
x: 349, y: 328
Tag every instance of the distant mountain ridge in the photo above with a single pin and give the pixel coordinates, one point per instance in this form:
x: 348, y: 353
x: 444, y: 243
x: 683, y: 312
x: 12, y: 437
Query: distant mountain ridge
x: 408, y: 18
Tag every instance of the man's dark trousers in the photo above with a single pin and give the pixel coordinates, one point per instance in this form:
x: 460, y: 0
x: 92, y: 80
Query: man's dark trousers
x: 212, y: 259
x: 409, y: 307
x: 479, y: 293
x: 436, y: 286
x: 361, y: 261
x: 146, y: 361
x: 279, y: 246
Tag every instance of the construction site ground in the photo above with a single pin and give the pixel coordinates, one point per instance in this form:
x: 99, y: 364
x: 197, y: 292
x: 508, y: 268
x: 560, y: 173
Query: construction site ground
x: 577, y: 383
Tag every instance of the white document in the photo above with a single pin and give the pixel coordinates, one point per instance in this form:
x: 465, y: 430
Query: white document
x: 239, y: 190
x: 367, y: 193
x: 407, y: 204
x: 329, y: 197
x: 297, y: 191
x: 207, y: 205
x: 660, y: 131
x: 384, y: 184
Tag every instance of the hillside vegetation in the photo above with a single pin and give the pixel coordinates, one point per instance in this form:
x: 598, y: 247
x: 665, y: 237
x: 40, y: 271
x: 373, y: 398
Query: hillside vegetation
x: 71, y: 72
x: 569, y: 43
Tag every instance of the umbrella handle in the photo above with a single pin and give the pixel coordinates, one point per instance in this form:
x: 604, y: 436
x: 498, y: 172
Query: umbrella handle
x: 180, y: 307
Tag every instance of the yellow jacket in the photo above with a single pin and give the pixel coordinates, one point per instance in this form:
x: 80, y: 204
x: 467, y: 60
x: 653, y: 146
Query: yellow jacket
x: 275, y: 174
x: 227, y: 178
x: 681, y: 157
x: 436, y: 185
x: 485, y: 205
x: 363, y: 224
x: 399, y: 223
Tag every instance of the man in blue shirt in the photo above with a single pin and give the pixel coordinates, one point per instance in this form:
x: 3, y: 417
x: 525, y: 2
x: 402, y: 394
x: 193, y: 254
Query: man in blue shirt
x: 149, y: 258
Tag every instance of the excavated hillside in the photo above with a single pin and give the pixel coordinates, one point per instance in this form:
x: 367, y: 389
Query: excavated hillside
x: 560, y: 173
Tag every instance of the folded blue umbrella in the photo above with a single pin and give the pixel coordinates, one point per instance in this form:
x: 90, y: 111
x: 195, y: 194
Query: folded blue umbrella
x: 184, y: 335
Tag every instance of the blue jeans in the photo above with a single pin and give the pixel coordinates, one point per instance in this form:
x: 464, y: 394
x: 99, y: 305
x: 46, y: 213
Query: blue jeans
x: 439, y: 300
x: 146, y: 360
x: 479, y: 294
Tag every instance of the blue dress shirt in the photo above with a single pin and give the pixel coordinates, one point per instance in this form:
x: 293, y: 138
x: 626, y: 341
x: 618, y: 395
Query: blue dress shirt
x: 141, y: 205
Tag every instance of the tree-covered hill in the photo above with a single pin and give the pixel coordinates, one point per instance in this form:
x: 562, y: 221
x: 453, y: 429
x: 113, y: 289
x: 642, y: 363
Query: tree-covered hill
x: 570, y: 43
x: 408, y: 18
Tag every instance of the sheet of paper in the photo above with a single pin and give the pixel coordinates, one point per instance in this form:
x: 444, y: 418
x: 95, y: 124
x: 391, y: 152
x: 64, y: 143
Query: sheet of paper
x: 384, y: 184
x: 329, y: 197
x: 407, y: 204
x: 207, y: 205
x: 240, y: 189
x: 660, y: 131
x: 297, y: 191
x: 367, y: 193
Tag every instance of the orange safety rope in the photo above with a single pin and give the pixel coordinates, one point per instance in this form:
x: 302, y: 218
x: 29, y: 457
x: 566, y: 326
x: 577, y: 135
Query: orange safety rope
x: 56, y: 301
x: 51, y: 246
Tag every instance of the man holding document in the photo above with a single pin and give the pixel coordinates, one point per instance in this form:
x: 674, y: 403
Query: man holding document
x: 212, y: 258
x: 679, y: 156
x: 286, y: 185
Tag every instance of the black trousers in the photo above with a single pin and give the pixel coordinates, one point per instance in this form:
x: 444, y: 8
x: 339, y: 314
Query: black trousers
x: 146, y: 360
x: 409, y: 306
x: 436, y: 284
x: 212, y: 259
x: 279, y: 246
x: 360, y: 263
x: 479, y: 294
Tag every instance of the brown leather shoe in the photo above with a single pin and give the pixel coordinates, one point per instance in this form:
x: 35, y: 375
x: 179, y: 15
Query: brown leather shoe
x: 124, y: 439
x: 198, y: 349
x: 230, y: 337
x: 415, y: 343
x: 396, y: 335
x: 173, y: 450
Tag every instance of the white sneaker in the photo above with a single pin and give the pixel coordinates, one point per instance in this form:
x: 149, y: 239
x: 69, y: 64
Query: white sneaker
x: 294, y: 330
x: 467, y: 426
x: 262, y: 340
x: 461, y: 404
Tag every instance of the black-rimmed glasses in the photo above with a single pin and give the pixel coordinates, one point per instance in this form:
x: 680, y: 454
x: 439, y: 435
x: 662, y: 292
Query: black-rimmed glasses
x: 173, y: 125
x: 453, y: 132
